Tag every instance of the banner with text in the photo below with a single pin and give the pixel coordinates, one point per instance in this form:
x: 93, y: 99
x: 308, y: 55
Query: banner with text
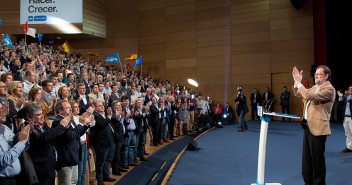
x: 51, y: 11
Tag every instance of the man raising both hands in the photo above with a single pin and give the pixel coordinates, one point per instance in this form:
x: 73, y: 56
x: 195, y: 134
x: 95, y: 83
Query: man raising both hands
x: 316, y: 115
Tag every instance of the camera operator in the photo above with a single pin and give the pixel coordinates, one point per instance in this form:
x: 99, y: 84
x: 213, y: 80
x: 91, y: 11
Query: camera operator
x: 241, y: 108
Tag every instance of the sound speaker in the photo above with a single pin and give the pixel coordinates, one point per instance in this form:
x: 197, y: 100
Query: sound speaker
x: 192, y: 145
x: 298, y: 4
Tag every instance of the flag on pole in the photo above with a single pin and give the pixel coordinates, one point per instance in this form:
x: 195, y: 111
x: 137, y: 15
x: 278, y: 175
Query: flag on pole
x: 66, y: 47
x: 7, y: 41
x: 306, y: 85
x: 138, y: 61
x: 25, y: 27
x: 114, y: 58
x: 93, y: 53
x: 31, y: 32
x: 132, y: 56
x: 40, y: 37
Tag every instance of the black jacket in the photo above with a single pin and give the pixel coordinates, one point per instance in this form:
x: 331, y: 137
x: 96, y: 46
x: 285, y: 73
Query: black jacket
x: 42, y: 151
x: 82, y: 108
x: 102, y: 134
x: 68, y: 144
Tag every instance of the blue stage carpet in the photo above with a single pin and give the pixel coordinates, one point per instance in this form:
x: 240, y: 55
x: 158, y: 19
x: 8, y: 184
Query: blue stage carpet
x: 229, y: 157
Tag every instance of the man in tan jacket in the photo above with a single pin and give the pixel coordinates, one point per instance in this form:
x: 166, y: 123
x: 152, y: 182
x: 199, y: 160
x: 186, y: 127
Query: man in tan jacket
x: 316, y: 115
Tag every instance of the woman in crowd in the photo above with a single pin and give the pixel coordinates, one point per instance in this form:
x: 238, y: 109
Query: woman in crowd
x: 34, y: 96
x: 63, y: 93
x: 7, y: 78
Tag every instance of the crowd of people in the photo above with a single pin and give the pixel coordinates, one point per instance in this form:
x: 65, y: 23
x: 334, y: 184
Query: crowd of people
x: 57, y: 105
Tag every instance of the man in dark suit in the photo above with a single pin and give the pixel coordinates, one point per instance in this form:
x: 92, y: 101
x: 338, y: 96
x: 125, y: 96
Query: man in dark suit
x: 139, y: 117
x: 86, y: 83
x: 285, y: 102
x: 114, y: 94
x: 120, y: 146
x: 171, y: 115
x: 155, y: 117
x: 41, y: 139
x: 103, y: 141
x: 82, y: 99
x: 267, y: 96
x: 67, y: 144
x: 255, y: 101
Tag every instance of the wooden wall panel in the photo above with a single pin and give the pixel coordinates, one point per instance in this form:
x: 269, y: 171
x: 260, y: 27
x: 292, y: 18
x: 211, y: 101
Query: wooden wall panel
x: 250, y: 17
x: 291, y: 34
x: 181, y: 63
x: 251, y: 68
x: 214, y: 41
x: 180, y: 27
x: 246, y: 48
x: 251, y: 38
x: 296, y: 55
x: 251, y: 58
x: 179, y: 9
x: 214, y: 51
x: 287, y: 45
x: 94, y: 18
x: 179, y: 45
x: 213, y: 60
x: 214, y: 22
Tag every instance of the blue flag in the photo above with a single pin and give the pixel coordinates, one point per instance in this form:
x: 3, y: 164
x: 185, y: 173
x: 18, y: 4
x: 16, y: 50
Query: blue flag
x: 138, y: 61
x: 7, y: 41
x: 113, y: 58
x: 40, y: 37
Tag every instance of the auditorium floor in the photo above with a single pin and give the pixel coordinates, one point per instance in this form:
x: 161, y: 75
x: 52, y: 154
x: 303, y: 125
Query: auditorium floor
x: 149, y: 149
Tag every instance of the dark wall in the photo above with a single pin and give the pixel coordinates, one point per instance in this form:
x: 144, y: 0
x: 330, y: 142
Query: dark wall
x: 339, y: 41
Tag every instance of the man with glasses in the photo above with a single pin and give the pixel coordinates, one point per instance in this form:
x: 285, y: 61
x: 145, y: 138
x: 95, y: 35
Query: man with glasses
x: 316, y: 115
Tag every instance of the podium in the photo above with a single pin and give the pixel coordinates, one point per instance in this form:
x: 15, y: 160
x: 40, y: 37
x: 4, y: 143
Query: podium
x: 265, y: 118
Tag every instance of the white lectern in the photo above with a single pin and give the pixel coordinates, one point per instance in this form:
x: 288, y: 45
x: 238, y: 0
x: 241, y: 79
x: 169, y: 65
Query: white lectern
x: 265, y: 118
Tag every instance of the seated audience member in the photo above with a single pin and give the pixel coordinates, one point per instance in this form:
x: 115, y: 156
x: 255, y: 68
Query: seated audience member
x: 227, y: 115
x: 217, y: 111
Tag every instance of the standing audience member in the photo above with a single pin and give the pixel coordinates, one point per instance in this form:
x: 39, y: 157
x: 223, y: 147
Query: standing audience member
x: 41, y: 149
x: 120, y: 147
x: 192, y: 107
x: 82, y: 165
x: 140, y: 115
x: 13, y: 107
x: 68, y: 144
x: 267, y: 96
x: 285, y: 102
x: 155, y: 117
x: 319, y: 102
x: 103, y: 142
x: 9, y: 151
x: 241, y: 109
x: 255, y: 101
x: 170, y: 101
x: 130, y: 136
x: 345, y: 102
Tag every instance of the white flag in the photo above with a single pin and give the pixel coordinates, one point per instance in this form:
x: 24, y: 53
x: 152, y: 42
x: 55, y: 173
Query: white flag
x: 31, y: 32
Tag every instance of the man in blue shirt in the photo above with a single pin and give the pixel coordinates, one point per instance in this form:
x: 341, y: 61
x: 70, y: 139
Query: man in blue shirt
x: 10, y: 165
